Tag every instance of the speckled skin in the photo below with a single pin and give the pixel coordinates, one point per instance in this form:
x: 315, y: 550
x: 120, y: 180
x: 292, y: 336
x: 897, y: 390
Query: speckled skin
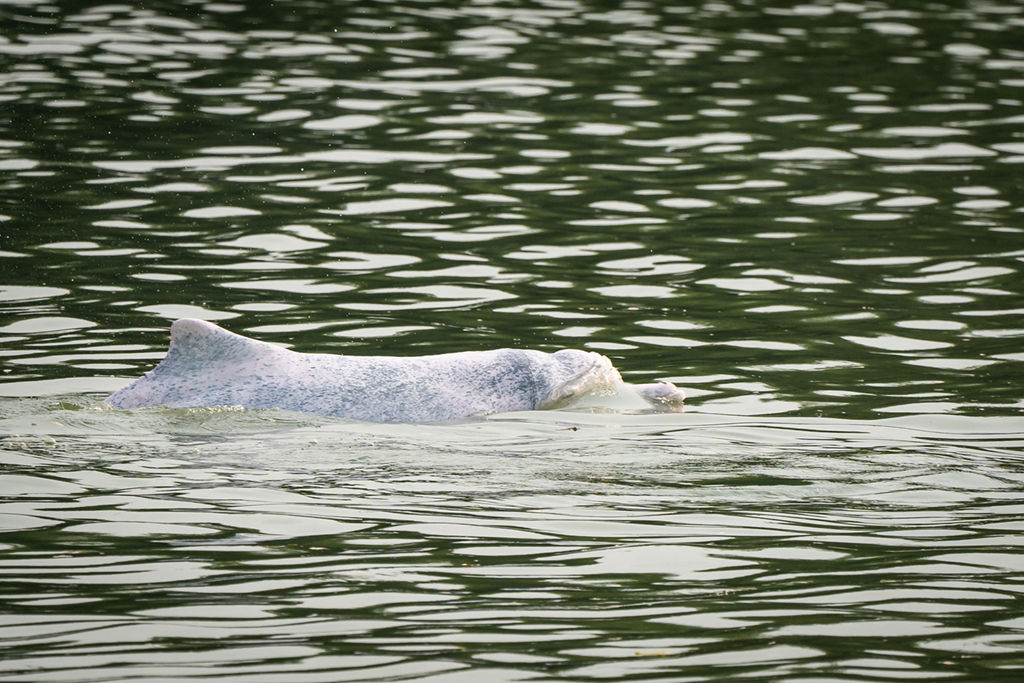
x: 207, y: 366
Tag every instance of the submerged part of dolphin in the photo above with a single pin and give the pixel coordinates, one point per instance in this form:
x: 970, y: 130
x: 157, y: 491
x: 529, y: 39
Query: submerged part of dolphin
x: 209, y: 366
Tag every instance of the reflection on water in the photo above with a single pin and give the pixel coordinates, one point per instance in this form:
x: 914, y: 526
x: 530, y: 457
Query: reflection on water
x: 808, y: 215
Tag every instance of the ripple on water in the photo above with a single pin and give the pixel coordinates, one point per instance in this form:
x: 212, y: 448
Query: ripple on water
x: 384, y: 550
x: 818, y: 241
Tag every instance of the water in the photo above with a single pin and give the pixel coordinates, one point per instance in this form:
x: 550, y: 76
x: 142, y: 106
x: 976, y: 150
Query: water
x: 808, y: 216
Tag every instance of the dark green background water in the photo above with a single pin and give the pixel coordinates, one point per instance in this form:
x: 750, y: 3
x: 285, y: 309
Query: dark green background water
x: 808, y: 216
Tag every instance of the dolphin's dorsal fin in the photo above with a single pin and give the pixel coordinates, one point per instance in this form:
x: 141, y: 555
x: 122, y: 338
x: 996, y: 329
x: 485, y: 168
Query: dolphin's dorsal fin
x: 205, y: 365
x: 199, y: 343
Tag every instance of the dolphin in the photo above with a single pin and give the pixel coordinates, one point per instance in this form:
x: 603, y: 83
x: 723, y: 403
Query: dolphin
x: 206, y: 365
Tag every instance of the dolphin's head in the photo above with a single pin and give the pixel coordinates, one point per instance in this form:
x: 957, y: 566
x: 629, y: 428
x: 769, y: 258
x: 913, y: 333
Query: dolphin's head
x: 569, y: 373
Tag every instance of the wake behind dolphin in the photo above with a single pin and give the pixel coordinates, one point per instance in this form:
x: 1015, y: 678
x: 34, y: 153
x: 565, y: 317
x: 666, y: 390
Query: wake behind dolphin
x: 206, y: 365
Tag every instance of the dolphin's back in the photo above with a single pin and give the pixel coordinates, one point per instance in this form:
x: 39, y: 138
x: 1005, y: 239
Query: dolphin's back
x: 206, y: 366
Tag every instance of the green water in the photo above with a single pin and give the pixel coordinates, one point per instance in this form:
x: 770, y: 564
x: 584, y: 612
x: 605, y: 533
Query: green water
x: 807, y: 216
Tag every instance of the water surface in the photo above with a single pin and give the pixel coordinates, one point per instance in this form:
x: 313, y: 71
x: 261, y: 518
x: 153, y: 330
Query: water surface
x: 807, y: 215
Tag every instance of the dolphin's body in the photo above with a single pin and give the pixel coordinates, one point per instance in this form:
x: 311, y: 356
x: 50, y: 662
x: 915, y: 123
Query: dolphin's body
x: 209, y: 366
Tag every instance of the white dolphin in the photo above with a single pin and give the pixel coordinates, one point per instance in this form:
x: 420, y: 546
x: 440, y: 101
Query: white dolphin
x: 206, y: 365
